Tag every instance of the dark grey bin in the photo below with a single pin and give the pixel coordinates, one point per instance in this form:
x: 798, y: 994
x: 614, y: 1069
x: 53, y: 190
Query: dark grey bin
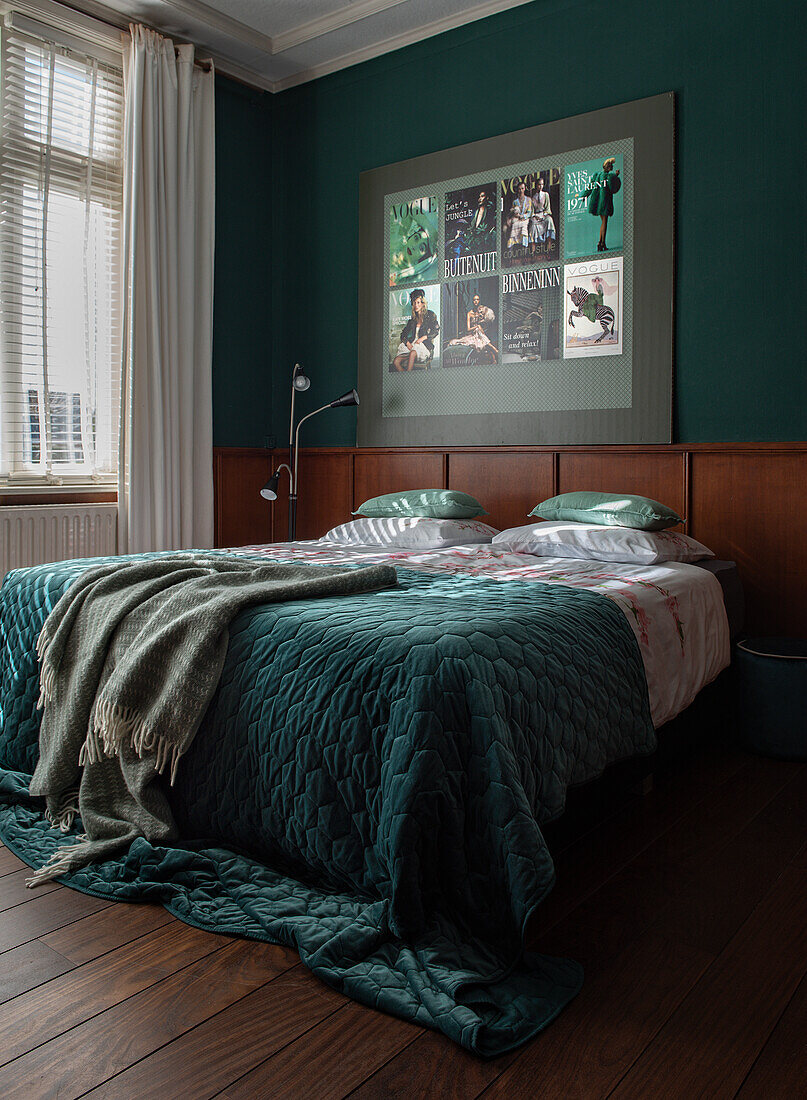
x: 771, y: 679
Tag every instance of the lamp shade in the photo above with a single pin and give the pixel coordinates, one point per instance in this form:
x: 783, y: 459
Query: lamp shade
x: 269, y: 491
x: 350, y: 398
x: 300, y: 379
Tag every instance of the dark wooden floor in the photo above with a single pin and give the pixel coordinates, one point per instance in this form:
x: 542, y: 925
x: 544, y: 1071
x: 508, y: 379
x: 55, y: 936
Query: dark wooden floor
x: 688, y: 908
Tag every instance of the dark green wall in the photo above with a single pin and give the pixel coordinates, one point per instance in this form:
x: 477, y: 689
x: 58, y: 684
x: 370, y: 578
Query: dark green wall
x: 738, y: 74
x: 242, y: 329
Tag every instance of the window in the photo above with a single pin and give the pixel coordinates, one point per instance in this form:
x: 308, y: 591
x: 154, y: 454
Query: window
x: 60, y: 246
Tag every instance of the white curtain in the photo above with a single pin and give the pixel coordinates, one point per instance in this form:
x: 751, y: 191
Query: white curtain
x: 165, y: 488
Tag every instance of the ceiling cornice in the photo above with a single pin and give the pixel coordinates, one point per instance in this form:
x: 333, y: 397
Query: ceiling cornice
x: 334, y: 21
x: 225, y: 24
x: 398, y: 41
x: 210, y: 20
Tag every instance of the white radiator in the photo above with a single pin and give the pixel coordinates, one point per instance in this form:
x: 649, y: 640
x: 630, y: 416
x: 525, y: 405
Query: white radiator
x: 39, y: 533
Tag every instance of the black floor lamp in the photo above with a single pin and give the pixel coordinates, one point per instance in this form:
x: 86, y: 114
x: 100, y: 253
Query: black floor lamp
x: 299, y: 383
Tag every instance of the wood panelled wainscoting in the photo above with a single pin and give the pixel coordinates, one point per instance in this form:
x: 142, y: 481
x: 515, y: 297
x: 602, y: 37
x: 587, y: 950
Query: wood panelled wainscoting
x: 744, y: 500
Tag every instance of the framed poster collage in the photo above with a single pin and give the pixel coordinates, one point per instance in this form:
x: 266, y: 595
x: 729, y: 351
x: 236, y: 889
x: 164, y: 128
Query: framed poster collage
x: 506, y: 294
x: 523, y: 268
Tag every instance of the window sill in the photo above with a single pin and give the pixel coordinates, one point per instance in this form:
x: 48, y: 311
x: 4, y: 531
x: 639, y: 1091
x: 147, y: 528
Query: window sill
x: 24, y: 495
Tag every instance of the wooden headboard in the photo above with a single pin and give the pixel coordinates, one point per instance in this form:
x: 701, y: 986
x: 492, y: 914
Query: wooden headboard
x: 744, y: 500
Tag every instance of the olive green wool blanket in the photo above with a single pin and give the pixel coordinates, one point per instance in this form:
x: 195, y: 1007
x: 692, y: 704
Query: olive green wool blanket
x: 131, y: 656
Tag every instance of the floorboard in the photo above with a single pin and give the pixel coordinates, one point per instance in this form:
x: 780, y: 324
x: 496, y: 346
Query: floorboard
x: 649, y: 912
x: 584, y: 1053
x: 711, y: 1041
x: 364, y: 1038
x: 9, y: 862
x: 26, y: 967
x: 432, y: 1067
x: 49, y: 1010
x: 210, y: 1057
x: 780, y: 1069
x: 93, y: 936
x: 13, y: 890
x: 687, y: 907
x: 44, y: 913
x: 87, y: 1055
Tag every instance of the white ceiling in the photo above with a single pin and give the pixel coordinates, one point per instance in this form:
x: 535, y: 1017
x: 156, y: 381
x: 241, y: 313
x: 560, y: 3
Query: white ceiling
x: 276, y: 44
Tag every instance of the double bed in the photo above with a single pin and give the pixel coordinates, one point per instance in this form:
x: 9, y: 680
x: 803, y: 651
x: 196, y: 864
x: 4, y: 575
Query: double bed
x: 370, y: 781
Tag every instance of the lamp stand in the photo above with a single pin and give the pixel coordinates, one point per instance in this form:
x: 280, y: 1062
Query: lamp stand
x: 292, y: 485
x: 269, y: 491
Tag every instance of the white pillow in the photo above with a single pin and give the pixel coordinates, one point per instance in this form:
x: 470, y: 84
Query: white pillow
x: 411, y: 532
x: 596, y: 542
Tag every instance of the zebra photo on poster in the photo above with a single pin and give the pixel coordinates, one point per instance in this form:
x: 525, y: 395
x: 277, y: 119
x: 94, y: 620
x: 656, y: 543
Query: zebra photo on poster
x: 593, y: 308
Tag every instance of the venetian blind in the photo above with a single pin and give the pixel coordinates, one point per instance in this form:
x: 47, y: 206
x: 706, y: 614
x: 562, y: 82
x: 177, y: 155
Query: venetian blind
x: 61, y: 196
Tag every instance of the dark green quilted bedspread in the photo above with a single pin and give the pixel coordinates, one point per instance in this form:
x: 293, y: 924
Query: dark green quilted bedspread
x: 369, y: 783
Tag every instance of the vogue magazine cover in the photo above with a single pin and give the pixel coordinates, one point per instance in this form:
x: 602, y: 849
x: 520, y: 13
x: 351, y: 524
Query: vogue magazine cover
x: 530, y: 213
x: 413, y: 241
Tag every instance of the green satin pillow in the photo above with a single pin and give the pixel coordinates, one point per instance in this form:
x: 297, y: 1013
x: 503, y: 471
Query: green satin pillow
x: 609, y: 510
x: 432, y: 503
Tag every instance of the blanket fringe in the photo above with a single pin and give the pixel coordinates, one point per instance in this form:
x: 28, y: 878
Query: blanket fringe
x: 57, y: 865
x: 92, y: 750
x: 65, y: 814
x: 43, y: 641
x: 112, y: 726
x: 47, y: 682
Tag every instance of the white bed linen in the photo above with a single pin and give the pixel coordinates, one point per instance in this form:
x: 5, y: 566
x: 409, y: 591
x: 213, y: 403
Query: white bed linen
x: 675, y: 610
